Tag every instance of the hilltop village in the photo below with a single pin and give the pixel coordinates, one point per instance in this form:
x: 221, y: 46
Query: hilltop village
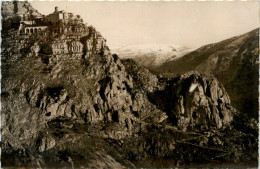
x: 66, y: 102
x: 56, y: 34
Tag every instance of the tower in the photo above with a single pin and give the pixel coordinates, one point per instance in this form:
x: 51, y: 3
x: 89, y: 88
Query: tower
x: 56, y: 9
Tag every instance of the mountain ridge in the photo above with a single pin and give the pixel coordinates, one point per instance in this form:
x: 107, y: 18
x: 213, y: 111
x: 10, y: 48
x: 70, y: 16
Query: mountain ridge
x: 153, y: 54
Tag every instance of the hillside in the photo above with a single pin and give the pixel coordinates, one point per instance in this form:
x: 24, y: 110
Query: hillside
x: 151, y: 55
x: 234, y: 62
x: 67, y: 102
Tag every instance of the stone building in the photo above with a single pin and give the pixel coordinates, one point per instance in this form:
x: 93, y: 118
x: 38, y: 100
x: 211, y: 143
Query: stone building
x: 71, y: 34
x: 57, y: 17
x: 32, y: 29
x: 31, y: 24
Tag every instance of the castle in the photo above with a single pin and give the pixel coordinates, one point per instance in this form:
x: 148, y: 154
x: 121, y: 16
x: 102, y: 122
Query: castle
x: 31, y: 23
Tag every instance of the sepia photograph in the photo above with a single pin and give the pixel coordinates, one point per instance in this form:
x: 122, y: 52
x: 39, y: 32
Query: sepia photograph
x: 129, y: 84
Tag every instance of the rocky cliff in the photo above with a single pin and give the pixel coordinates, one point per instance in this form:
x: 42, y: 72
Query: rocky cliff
x: 86, y: 108
x: 10, y: 9
x: 234, y: 62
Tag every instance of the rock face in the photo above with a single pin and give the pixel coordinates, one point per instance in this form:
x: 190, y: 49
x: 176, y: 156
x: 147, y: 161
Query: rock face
x: 234, y: 62
x: 191, y: 100
x: 198, y: 102
x: 89, y: 109
x: 9, y: 9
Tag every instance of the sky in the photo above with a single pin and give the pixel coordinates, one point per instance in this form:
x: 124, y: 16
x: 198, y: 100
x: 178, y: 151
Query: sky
x: 190, y: 24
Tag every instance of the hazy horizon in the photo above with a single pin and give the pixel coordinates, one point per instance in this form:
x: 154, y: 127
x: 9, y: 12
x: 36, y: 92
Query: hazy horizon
x: 190, y: 24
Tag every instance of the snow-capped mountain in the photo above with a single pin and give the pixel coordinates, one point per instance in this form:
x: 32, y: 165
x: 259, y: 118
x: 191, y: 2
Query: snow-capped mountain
x: 151, y: 55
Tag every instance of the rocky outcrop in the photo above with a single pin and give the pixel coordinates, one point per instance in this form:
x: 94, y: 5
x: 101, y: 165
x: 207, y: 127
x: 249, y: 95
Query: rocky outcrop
x: 198, y: 116
x: 234, y: 62
x: 95, y: 111
x: 189, y: 100
x: 199, y: 102
x: 9, y: 9
x: 194, y: 101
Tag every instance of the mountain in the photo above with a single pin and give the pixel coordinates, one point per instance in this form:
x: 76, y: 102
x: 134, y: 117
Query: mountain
x: 67, y: 102
x: 234, y: 62
x: 151, y: 55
